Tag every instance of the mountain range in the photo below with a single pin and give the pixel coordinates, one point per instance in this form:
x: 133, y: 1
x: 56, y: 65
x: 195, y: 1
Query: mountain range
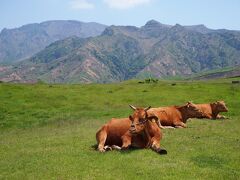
x: 125, y: 52
x: 20, y: 43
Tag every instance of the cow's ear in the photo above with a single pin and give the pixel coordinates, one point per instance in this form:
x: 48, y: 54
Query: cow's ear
x: 220, y: 102
x: 131, y: 118
x: 189, y: 103
x: 214, y: 104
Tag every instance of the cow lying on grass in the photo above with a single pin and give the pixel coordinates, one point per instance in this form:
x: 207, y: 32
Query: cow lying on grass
x: 176, y: 116
x: 139, y: 130
x: 212, y: 110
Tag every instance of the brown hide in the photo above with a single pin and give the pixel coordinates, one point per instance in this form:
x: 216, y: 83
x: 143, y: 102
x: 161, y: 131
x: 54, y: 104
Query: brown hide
x: 138, y: 131
x: 176, y: 116
x: 212, y: 110
x: 116, y: 130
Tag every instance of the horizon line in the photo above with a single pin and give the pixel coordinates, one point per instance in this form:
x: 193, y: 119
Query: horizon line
x: 201, y: 24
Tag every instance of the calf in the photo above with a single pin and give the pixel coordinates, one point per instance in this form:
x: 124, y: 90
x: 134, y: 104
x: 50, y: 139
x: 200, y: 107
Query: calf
x: 139, y: 130
x: 212, y: 110
x: 176, y: 116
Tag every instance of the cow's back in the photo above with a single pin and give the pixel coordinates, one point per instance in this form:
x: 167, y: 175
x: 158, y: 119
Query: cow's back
x: 167, y: 115
x: 205, y: 108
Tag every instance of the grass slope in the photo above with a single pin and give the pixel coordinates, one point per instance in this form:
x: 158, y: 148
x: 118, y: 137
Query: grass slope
x: 47, y: 132
x: 228, y: 72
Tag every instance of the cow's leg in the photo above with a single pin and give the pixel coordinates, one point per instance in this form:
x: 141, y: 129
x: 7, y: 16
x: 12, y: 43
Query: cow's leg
x: 169, y: 127
x: 220, y: 117
x: 155, y: 143
x: 179, y: 127
x: 110, y: 148
x: 101, y: 137
x: 115, y: 147
x: 159, y: 124
x: 208, y: 116
x: 155, y: 146
x: 107, y: 148
x: 180, y: 124
x: 126, y: 141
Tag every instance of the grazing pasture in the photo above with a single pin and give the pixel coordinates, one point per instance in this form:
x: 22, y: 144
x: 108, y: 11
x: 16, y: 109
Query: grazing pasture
x: 47, y: 132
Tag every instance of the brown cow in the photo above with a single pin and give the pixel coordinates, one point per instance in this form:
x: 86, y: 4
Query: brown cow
x: 176, y: 116
x: 139, y: 130
x: 212, y: 110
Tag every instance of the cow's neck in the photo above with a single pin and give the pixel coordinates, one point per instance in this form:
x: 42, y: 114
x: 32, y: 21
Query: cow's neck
x: 183, y: 113
x: 148, y: 127
x: 215, y: 111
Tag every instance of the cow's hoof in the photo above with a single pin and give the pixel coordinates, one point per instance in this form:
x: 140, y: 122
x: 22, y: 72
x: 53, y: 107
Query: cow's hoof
x: 107, y: 148
x: 124, y: 148
x: 115, y: 147
x: 162, y: 151
x: 101, y: 150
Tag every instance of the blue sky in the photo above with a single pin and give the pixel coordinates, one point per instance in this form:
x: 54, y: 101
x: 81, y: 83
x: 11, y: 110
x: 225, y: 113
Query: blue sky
x: 214, y: 14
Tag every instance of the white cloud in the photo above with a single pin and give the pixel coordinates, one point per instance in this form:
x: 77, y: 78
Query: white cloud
x: 81, y: 4
x: 125, y: 4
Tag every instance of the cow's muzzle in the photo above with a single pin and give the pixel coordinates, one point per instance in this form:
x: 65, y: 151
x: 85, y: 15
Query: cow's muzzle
x: 133, y: 129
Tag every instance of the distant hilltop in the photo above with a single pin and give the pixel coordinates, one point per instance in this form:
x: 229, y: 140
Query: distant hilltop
x: 20, y: 43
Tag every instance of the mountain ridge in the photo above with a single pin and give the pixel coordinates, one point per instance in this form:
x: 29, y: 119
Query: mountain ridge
x: 20, y: 43
x: 125, y: 52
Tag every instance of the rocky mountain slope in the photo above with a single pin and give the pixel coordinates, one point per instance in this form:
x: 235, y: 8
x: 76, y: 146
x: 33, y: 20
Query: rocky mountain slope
x: 124, y: 52
x: 20, y: 43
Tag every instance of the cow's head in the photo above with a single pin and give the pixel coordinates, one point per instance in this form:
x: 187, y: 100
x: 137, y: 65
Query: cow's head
x: 191, y: 110
x: 219, y: 106
x: 139, y: 119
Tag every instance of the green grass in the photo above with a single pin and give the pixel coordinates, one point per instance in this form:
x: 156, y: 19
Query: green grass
x: 46, y: 132
x: 202, y: 74
x: 212, y: 72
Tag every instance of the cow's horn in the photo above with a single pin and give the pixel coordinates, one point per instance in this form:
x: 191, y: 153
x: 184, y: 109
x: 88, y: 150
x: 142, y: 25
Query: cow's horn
x: 131, y: 106
x: 147, y: 108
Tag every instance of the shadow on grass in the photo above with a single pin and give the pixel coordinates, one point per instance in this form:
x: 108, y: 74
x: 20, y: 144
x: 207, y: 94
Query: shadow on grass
x: 130, y: 150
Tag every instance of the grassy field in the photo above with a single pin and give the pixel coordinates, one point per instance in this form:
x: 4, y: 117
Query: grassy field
x: 47, y: 132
